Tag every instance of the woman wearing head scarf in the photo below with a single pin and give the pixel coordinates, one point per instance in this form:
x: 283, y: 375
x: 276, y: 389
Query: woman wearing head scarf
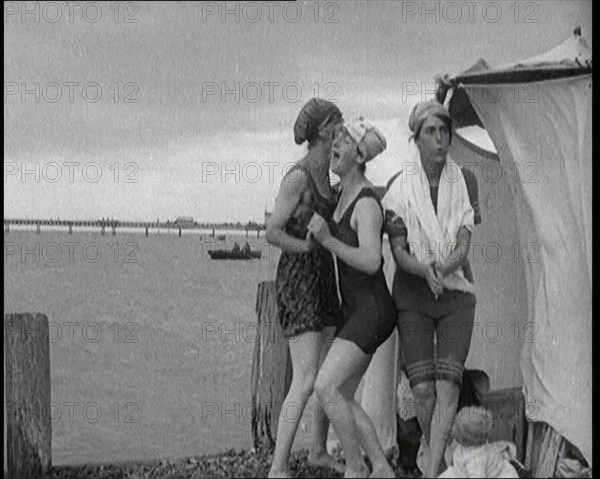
x: 354, y: 235
x: 431, y: 208
x: 307, y: 301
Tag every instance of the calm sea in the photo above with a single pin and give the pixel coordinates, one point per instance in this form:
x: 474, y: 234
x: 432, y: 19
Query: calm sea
x: 151, y: 342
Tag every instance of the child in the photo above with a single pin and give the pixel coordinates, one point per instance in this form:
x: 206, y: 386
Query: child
x: 473, y: 455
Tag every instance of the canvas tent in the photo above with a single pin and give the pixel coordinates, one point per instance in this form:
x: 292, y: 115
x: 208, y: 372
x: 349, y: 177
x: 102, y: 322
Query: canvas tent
x: 538, y: 114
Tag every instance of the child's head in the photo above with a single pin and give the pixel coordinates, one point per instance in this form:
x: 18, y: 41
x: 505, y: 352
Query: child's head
x: 472, y: 426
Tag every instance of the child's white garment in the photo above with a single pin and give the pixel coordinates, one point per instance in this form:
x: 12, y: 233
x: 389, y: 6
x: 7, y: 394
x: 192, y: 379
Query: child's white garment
x: 480, y: 461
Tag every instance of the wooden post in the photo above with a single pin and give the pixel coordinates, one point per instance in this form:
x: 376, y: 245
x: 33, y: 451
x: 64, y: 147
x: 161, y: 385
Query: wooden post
x: 70, y: 229
x: 535, y: 436
x: 27, y: 386
x: 38, y: 228
x: 146, y: 231
x: 114, y: 230
x: 180, y: 232
x: 102, y: 230
x: 271, y: 369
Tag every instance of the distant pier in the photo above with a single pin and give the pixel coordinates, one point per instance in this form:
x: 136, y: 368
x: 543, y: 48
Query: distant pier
x: 102, y: 225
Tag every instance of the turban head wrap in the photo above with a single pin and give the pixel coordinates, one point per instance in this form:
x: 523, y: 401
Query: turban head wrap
x: 370, y: 140
x: 314, y: 115
x: 424, y: 110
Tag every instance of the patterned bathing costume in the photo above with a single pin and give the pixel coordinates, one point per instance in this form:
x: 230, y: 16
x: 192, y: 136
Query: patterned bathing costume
x: 306, y: 291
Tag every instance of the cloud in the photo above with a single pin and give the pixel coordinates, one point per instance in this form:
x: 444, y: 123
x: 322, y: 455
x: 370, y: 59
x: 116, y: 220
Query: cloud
x: 370, y: 61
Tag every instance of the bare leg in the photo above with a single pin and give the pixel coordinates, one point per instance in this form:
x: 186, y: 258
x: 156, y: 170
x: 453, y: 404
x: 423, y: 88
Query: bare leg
x: 368, y: 440
x: 424, y: 394
x: 447, y: 403
x: 318, y: 455
x: 378, y: 397
x: 335, y: 387
x: 304, y: 351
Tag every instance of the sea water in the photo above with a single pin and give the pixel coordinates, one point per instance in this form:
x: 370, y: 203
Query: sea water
x: 151, y: 342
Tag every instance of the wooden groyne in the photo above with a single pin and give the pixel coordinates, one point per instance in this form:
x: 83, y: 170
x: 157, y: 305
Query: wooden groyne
x: 27, y: 387
x: 271, y: 369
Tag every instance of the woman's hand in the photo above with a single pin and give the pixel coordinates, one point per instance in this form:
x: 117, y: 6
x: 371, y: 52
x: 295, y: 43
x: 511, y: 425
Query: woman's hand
x: 457, y: 257
x: 434, y: 280
x: 319, y: 229
x: 441, y: 269
x: 310, y: 241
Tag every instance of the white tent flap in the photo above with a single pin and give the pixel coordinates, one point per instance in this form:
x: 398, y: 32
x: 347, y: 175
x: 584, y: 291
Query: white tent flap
x: 546, y: 140
x: 500, y: 327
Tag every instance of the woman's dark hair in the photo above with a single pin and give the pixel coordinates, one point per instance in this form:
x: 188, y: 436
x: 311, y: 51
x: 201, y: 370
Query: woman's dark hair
x: 335, y: 117
x: 313, y: 115
x: 447, y: 121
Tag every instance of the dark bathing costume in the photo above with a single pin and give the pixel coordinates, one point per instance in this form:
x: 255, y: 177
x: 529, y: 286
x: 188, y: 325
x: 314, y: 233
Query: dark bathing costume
x: 307, y: 297
x: 367, y: 306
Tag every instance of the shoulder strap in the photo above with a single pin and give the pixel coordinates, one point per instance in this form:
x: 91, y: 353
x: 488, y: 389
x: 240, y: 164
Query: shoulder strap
x: 311, y: 181
x: 366, y: 192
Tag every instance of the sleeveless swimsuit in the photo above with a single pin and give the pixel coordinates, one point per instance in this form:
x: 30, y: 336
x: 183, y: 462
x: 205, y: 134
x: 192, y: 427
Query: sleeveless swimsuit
x: 367, y: 306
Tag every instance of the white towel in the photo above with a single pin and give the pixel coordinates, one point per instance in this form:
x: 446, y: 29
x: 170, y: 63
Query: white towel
x: 431, y: 235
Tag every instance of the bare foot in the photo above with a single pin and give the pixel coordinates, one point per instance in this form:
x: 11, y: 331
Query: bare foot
x: 351, y: 473
x: 325, y: 460
x: 279, y: 474
x: 383, y: 471
x: 391, y: 454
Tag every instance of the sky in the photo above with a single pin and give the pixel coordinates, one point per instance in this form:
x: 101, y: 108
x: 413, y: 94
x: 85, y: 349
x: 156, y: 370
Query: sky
x: 144, y: 111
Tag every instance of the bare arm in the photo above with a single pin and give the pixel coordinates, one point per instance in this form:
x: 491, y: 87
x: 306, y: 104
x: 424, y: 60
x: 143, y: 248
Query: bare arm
x: 458, y: 256
x: 366, y: 221
x: 409, y: 263
x: 290, y: 192
x: 404, y: 260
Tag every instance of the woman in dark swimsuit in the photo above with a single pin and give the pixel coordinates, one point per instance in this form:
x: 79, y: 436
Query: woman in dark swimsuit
x: 354, y: 235
x: 308, y: 305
